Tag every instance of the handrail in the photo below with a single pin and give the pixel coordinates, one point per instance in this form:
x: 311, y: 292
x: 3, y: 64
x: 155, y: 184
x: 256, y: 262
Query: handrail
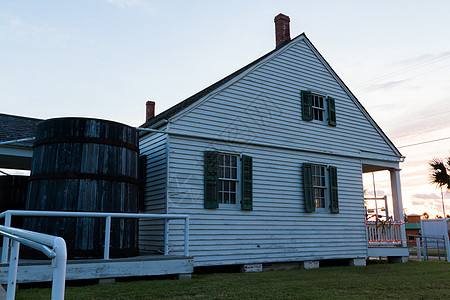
x: 386, y: 233
x: 38, y: 241
x: 108, y: 215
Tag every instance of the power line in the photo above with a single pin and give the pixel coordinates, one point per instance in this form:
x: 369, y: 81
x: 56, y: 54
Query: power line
x: 421, y: 143
x: 401, y: 71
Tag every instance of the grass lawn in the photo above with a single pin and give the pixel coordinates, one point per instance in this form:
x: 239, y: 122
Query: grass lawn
x: 414, y: 280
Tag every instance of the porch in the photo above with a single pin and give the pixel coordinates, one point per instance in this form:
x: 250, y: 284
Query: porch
x: 145, y: 265
x: 386, y: 235
x: 36, y: 270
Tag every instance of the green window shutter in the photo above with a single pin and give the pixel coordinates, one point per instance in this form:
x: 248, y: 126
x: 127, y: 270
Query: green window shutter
x: 247, y: 183
x: 308, y: 188
x: 307, y: 106
x: 331, y: 111
x: 334, y: 203
x: 211, y: 179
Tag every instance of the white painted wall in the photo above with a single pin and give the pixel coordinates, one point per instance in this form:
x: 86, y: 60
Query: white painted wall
x: 260, y: 115
x: 151, y: 232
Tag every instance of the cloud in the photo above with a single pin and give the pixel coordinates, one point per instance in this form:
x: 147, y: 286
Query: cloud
x: 418, y: 202
x: 424, y: 58
x: 430, y: 196
x: 383, y: 85
x: 131, y: 3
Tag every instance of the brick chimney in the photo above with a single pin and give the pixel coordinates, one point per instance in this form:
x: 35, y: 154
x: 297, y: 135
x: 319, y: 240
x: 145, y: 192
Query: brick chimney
x: 149, y: 110
x: 282, y: 32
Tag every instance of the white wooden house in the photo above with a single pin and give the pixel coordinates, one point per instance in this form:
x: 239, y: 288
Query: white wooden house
x: 268, y: 164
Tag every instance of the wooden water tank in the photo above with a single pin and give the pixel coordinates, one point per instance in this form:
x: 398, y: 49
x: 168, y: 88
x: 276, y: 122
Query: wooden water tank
x: 89, y: 165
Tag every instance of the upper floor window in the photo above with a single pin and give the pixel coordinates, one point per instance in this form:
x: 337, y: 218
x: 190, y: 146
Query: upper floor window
x: 318, y: 107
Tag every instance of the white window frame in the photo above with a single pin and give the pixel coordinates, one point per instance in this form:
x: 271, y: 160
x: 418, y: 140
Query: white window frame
x: 324, y: 187
x: 323, y: 109
x: 237, y: 180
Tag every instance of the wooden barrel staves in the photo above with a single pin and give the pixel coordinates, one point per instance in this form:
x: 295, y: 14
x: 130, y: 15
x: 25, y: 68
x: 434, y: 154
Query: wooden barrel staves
x: 85, y: 165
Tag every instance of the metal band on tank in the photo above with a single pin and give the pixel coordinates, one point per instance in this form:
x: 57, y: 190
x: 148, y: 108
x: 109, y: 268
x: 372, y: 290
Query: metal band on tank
x: 66, y: 175
x: 90, y: 140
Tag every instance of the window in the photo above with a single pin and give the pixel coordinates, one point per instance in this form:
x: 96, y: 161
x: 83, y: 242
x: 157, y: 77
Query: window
x: 320, y: 188
x: 228, y: 180
x: 318, y: 108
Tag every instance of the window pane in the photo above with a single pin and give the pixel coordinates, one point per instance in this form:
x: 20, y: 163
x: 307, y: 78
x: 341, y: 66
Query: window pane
x: 233, y: 198
x: 226, y: 198
x: 233, y: 187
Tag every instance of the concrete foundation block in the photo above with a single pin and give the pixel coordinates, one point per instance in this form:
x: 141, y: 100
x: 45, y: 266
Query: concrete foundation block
x: 184, y: 276
x: 357, y: 262
x: 310, y: 264
x: 251, y: 268
x: 398, y: 259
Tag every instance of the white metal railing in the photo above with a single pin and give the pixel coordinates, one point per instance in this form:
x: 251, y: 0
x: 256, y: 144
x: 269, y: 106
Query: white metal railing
x: 107, y: 215
x: 384, y: 233
x: 38, y: 241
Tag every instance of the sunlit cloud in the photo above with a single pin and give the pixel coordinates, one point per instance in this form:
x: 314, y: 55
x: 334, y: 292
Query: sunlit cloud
x: 426, y: 196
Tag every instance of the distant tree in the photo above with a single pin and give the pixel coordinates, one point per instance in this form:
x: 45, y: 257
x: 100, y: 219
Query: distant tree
x: 440, y: 175
x: 426, y: 215
x: 438, y: 217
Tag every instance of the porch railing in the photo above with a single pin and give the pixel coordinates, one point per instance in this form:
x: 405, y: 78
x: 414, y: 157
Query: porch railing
x: 107, y: 216
x: 384, y: 233
x: 38, y: 241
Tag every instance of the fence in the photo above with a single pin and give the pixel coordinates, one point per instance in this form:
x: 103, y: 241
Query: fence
x: 431, y: 246
x: 38, y: 241
x: 107, y: 215
x: 384, y: 233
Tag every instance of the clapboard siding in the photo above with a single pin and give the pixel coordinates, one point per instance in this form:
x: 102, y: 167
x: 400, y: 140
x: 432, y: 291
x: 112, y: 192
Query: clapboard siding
x: 277, y: 229
x: 271, y: 93
x: 258, y: 113
x: 153, y: 146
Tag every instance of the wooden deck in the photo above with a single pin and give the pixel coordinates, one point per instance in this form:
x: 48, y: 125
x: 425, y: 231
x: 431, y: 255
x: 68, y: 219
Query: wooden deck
x: 147, y: 265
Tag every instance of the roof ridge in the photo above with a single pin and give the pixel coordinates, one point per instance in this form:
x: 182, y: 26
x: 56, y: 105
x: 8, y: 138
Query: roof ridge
x: 197, y: 96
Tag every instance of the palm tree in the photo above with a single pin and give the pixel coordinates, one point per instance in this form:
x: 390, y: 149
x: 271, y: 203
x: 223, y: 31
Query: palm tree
x: 440, y: 175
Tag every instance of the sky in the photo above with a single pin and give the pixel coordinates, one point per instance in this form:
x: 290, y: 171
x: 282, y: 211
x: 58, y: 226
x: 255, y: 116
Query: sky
x: 106, y: 58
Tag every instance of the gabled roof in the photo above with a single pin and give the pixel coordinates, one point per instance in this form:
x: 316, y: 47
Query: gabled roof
x: 194, y: 98
x: 167, y: 114
x: 17, y: 127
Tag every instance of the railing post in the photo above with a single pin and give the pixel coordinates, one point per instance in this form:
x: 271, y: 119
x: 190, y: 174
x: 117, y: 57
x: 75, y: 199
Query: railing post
x: 186, y: 236
x: 59, y: 274
x: 12, y: 276
x: 107, y: 237
x: 5, y: 248
x: 166, y: 236
x: 419, y: 251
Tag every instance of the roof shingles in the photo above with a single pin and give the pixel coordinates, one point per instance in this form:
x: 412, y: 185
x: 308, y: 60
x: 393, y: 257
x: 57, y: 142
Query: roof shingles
x: 17, y: 127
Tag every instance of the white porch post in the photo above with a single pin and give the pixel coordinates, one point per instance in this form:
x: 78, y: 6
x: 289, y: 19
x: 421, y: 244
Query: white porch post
x: 396, y: 190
